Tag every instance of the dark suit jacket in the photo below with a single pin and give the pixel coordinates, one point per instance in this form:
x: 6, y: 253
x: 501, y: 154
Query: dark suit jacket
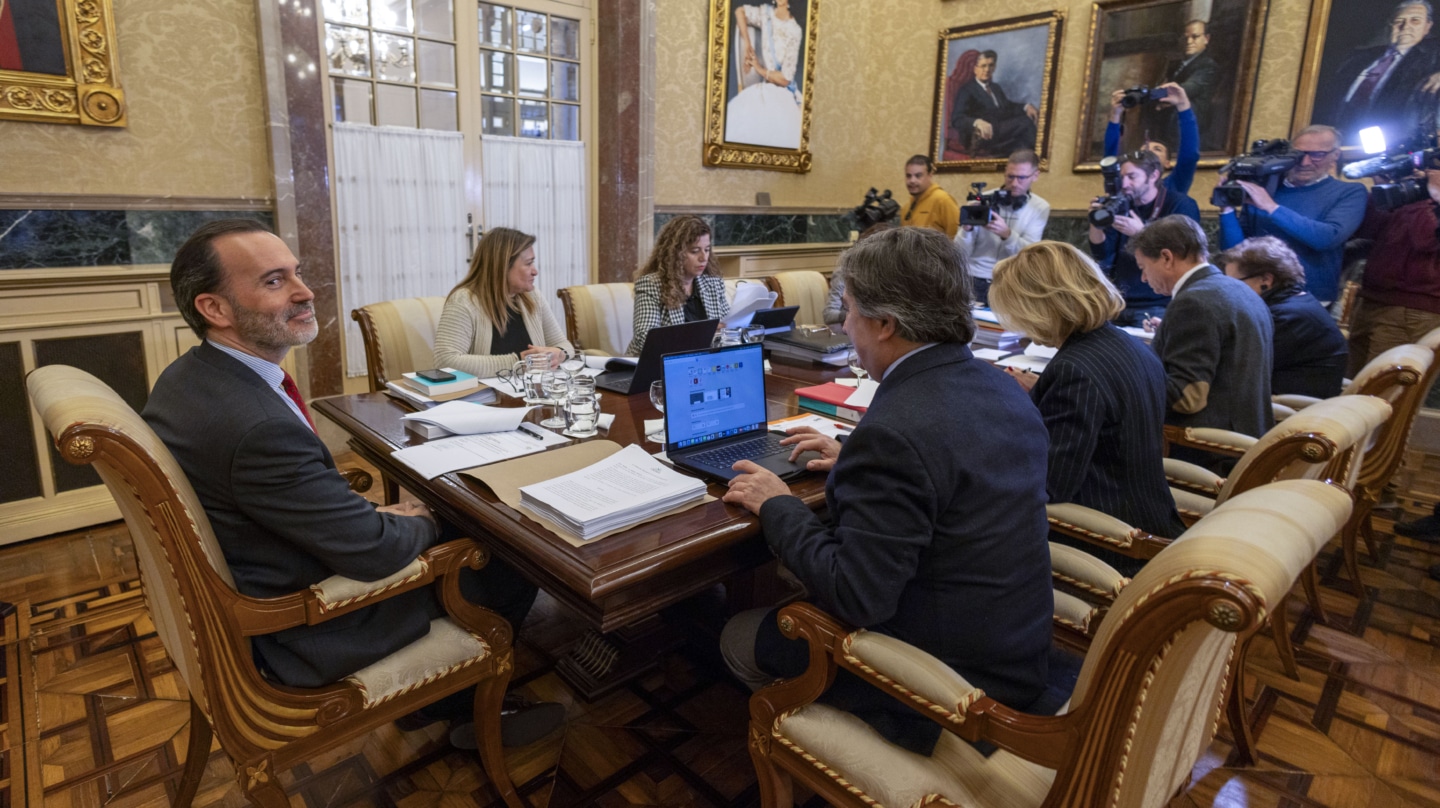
x: 1394, y: 107
x: 1006, y: 117
x: 1103, y: 401
x: 938, y: 533
x: 1310, y: 351
x: 1199, y: 77
x: 1216, y: 343
x: 283, y: 516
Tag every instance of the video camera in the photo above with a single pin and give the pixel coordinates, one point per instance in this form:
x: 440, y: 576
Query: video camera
x: 1265, y: 164
x: 1135, y: 96
x: 1115, y: 202
x: 979, y: 204
x: 1399, y: 165
x: 877, y: 207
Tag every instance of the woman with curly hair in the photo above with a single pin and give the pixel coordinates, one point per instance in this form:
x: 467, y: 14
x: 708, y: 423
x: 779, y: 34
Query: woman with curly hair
x: 679, y: 283
x: 492, y: 317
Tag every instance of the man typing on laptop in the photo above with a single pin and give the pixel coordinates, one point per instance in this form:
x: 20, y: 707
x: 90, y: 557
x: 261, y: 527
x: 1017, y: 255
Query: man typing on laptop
x: 937, y: 500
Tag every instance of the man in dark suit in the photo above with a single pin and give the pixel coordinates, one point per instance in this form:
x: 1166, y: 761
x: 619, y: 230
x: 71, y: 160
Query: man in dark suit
x: 284, y: 518
x: 990, y: 124
x: 1215, y: 341
x: 931, y: 540
x: 1391, y: 86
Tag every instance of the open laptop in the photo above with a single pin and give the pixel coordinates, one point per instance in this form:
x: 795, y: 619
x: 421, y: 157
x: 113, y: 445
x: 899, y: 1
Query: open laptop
x: 715, y: 413
x: 660, y: 341
x: 776, y: 320
x: 821, y: 342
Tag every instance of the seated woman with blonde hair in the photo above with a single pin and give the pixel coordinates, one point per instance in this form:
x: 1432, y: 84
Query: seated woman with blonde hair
x: 492, y: 318
x: 679, y: 283
x: 1102, y: 396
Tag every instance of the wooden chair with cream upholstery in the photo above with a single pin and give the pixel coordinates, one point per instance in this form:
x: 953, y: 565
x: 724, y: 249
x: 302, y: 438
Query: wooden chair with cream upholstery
x: 807, y: 289
x: 206, y: 626
x: 1145, y: 706
x: 399, y: 337
x: 599, y: 317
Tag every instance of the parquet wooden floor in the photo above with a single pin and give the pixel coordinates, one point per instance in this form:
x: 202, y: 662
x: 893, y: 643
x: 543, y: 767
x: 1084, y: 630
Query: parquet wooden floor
x: 93, y: 713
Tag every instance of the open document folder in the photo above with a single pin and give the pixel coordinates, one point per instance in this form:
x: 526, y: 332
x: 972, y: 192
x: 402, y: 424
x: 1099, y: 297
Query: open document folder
x: 624, y: 489
x: 445, y: 455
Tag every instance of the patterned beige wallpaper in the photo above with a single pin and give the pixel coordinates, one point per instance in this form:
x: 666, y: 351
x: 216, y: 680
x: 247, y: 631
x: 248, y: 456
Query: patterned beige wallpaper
x: 191, y: 75
x: 874, y: 88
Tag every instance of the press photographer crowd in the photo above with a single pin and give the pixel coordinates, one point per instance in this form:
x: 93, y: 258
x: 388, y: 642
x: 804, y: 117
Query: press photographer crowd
x: 1288, y: 227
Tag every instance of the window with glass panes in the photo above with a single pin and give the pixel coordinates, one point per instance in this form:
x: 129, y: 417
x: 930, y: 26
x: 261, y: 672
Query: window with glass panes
x: 392, y: 62
x: 529, y: 73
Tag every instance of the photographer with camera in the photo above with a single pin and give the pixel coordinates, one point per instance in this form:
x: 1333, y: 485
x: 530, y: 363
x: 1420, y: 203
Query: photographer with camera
x: 1007, y: 220
x: 1311, y: 211
x: 1135, y: 197
x: 1187, y: 157
x: 930, y: 205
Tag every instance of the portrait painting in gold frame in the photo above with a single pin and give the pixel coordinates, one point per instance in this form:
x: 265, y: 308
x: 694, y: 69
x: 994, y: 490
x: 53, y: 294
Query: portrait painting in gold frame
x: 58, y: 63
x: 758, y: 84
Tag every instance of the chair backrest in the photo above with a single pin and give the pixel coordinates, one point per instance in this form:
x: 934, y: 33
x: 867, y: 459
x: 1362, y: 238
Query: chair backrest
x: 1325, y: 441
x: 1390, y: 373
x: 399, y: 336
x: 807, y: 289
x: 1404, y: 379
x: 1151, y: 686
x: 177, y: 552
x: 599, y: 316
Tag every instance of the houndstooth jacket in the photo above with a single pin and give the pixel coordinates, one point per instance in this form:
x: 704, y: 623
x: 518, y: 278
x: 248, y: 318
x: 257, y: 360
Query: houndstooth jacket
x: 650, y: 312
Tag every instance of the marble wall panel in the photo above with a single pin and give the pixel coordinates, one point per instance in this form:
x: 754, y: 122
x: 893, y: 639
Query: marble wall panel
x: 874, y: 98
x: 191, y: 75
x: 36, y: 239
x: 748, y: 229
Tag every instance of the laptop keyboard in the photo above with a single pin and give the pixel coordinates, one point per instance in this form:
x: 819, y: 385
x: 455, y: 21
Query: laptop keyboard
x: 752, y: 449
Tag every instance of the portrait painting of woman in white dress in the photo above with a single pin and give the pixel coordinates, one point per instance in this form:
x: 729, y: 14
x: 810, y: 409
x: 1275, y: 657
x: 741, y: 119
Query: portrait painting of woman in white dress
x: 765, y: 92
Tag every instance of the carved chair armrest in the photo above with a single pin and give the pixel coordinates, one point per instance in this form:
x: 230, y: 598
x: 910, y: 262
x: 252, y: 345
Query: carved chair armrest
x: 1294, y: 401
x: 337, y: 595
x: 1280, y: 411
x: 1094, y: 527
x: 1219, y: 441
x: 1191, y: 477
x: 911, y: 676
x: 1075, y: 613
x: 1085, y: 572
x: 359, y: 480
x: 1192, y: 506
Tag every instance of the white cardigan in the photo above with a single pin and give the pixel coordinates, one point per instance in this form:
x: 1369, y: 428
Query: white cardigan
x: 462, y: 337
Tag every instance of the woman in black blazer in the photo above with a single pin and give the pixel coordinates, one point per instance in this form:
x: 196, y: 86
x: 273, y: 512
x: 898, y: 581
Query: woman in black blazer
x: 1102, y: 396
x: 1310, y: 351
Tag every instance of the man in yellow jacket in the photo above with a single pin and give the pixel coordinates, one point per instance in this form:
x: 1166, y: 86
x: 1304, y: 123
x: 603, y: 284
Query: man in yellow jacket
x: 930, y: 205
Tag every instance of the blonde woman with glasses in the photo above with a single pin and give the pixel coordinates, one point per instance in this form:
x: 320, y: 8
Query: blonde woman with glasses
x: 1102, y: 396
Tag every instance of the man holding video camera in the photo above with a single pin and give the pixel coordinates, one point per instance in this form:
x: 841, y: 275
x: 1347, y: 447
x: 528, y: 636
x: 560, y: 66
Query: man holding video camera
x: 1015, y: 219
x: 1311, y: 211
x: 1142, y: 198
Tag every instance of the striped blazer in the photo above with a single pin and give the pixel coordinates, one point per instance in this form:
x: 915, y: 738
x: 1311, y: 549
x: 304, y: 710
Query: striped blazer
x: 650, y: 311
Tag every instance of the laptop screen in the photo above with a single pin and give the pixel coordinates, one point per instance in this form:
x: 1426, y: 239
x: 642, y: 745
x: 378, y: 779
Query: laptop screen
x: 713, y: 394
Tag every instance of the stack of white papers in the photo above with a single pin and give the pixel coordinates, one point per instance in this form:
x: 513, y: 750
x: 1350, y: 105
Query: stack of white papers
x: 465, y: 418
x: 863, y: 395
x: 1136, y: 331
x: 1035, y: 359
x: 749, y: 298
x: 624, y: 489
x: 468, y: 451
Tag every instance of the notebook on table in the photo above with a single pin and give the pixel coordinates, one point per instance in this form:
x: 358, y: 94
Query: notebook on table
x: 715, y: 413
x: 660, y: 341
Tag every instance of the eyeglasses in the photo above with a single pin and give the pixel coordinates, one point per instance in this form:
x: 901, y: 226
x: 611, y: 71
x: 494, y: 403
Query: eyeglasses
x: 1317, y: 156
x: 514, y: 382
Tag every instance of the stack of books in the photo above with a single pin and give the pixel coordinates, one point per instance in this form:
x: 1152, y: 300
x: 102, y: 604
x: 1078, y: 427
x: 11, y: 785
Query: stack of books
x: 830, y: 399
x: 624, y: 489
x: 420, y: 391
x: 989, y: 334
x: 818, y: 346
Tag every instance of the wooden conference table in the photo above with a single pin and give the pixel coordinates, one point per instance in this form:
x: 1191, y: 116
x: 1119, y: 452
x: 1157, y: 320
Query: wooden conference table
x: 616, y: 581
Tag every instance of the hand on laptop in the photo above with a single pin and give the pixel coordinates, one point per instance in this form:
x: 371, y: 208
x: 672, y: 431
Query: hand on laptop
x: 806, y: 439
x: 754, y: 486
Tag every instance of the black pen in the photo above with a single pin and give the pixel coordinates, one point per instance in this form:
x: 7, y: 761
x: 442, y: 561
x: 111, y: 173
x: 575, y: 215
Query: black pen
x: 525, y: 431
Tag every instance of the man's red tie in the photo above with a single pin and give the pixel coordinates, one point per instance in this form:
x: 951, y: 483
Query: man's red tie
x: 288, y: 385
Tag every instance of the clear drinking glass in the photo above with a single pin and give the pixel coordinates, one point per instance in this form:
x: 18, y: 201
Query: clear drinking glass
x: 727, y: 336
x: 754, y: 333
x: 529, y: 372
x: 657, y: 397
x: 855, y: 366
x: 556, y: 385
x: 582, y: 415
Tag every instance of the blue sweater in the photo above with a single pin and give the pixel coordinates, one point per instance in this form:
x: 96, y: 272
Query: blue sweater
x: 1315, y: 220
x: 1182, y: 176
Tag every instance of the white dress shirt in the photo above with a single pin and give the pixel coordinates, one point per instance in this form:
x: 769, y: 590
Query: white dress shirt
x: 982, y: 248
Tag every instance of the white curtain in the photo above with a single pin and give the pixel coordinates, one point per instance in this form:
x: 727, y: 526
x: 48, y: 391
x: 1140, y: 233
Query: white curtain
x: 538, y: 186
x: 400, y: 203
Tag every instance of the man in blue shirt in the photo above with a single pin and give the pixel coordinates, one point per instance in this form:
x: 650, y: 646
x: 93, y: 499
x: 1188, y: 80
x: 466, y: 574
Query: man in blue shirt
x: 1311, y: 211
x: 1187, y: 156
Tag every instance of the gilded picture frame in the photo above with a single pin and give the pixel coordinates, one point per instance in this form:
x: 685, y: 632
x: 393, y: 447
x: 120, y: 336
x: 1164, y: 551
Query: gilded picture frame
x: 58, y: 63
x: 758, y: 89
x: 1145, y: 43
x: 978, y: 121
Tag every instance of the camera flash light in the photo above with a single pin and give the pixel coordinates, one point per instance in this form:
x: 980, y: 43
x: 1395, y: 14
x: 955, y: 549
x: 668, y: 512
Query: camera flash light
x: 1372, y: 140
